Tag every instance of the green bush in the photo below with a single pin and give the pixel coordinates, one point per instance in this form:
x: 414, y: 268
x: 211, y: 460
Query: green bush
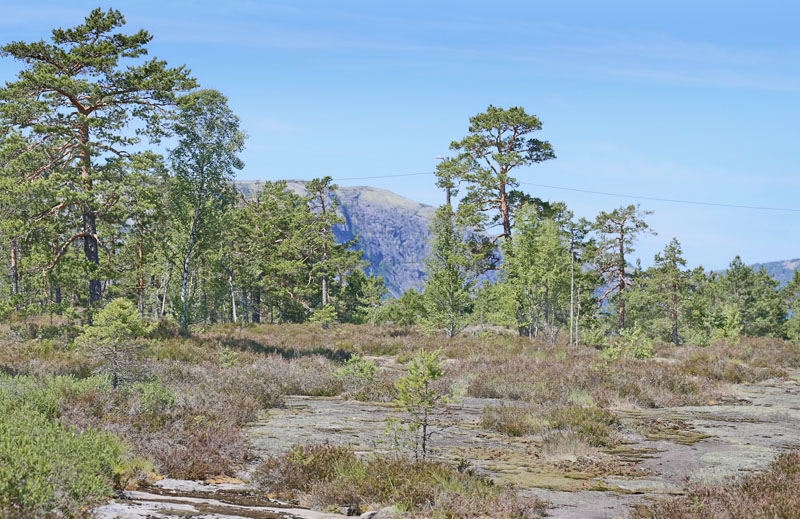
x: 356, y: 372
x: 47, y: 469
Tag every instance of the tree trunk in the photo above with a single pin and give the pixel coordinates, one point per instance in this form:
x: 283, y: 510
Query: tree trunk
x: 163, y: 311
x: 257, y: 305
x: 140, y: 269
x: 186, y: 263
x: 89, y: 218
x: 234, y: 317
x: 14, y: 266
x: 621, y: 268
x: 245, y: 306
x: 530, y: 325
x: 571, y: 291
x: 504, y: 211
x: 578, y: 317
x: 675, y: 315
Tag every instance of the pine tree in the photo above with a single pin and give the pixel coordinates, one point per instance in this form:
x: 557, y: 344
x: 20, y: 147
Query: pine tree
x: 669, y: 285
x: 498, y: 143
x: 75, y: 97
x: 791, y: 295
x: 616, y: 232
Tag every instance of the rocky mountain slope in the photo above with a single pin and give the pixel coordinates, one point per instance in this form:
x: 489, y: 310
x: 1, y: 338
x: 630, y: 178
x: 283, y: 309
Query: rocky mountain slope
x: 780, y: 270
x: 392, y: 230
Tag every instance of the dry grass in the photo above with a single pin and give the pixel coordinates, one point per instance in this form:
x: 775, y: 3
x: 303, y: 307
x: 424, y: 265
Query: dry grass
x: 771, y: 494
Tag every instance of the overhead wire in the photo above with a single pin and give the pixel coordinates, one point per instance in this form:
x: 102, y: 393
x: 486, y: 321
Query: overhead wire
x: 606, y: 193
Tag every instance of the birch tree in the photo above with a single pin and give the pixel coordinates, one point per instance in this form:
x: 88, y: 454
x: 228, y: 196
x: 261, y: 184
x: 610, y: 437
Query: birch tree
x: 450, y: 274
x: 203, y: 163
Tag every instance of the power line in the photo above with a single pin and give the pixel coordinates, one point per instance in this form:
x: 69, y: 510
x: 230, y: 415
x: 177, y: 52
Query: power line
x: 672, y: 200
x: 607, y: 193
x: 386, y: 176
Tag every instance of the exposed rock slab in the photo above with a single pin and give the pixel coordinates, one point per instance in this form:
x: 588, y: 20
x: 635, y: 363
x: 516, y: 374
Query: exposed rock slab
x: 171, y: 498
x: 721, y: 441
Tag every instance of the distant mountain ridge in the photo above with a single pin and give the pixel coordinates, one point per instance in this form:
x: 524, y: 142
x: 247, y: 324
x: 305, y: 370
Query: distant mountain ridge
x: 394, y: 233
x: 783, y: 271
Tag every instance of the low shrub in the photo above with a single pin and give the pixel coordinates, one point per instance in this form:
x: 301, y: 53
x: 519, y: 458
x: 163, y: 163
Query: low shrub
x: 513, y: 420
x: 48, y: 469
x: 332, y: 476
x: 773, y: 493
x: 595, y: 426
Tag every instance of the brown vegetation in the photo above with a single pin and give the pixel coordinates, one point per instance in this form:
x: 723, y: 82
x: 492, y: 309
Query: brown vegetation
x: 773, y: 493
x: 331, y: 476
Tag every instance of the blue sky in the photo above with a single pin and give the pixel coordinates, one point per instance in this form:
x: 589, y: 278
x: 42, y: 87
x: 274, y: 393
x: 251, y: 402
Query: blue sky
x: 687, y: 100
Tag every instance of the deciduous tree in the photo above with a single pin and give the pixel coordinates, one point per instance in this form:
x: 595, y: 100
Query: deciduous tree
x: 203, y: 163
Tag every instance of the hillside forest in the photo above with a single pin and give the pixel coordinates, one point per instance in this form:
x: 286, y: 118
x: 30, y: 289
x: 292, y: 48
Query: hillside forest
x: 153, y: 310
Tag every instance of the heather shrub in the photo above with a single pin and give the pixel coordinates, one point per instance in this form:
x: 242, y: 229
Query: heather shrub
x: 595, y: 426
x: 513, y: 420
x: 773, y: 493
x: 331, y: 476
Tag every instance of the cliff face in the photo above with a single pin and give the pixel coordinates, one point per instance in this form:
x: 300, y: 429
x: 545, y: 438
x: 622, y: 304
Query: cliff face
x: 392, y: 230
x: 780, y: 270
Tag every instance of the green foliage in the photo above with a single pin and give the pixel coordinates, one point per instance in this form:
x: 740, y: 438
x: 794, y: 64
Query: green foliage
x: 46, y: 469
x: 450, y: 274
x: 791, y: 296
x: 406, y: 310
x: 631, y: 344
x: 356, y: 372
x: 203, y: 163
x: 495, y: 304
x: 114, y: 338
x: 498, y: 142
x: 616, y: 232
x: 610, y: 352
x: 513, y: 420
x: 418, y: 397
x: 227, y: 357
x: 635, y: 345
x: 76, y: 97
x: 333, y: 476
x: 324, y: 315
x: 155, y: 397
x: 593, y: 425
x: 536, y: 267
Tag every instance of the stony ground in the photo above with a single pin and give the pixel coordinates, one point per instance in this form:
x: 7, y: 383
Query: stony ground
x: 672, y: 447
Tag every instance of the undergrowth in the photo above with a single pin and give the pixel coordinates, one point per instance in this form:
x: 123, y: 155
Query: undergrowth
x: 331, y: 476
x: 770, y: 494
